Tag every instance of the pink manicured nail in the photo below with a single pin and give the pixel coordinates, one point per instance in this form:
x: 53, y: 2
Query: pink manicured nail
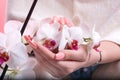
x: 60, y: 56
x: 61, y: 20
x: 29, y: 40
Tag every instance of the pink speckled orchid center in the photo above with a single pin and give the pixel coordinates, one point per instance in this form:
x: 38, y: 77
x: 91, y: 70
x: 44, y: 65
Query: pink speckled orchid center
x: 74, y: 45
x: 49, y: 43
x: 3, y: 57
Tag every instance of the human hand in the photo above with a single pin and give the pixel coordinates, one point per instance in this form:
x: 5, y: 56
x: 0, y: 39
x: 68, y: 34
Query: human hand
x: 73, y: 55
x: 60, y: 64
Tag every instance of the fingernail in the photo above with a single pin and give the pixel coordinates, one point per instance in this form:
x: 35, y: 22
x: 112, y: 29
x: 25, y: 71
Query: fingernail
x: 27, y: 38
x: 60, y: 56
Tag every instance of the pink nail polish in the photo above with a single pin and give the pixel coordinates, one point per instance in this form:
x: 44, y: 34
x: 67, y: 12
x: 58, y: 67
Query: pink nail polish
x: 27, y: 38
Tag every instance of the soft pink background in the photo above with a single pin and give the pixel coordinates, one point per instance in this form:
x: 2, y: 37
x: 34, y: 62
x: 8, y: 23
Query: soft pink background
x: 2, y: 13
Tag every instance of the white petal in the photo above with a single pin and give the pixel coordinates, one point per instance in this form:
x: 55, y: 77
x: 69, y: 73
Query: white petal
x: 3, y: 39
x: 65, y: 36
x: 62, y: 44
x: 18, y: 55
x: 13, y: 38
x: 27, y: 74
x: 96, y: 37
x: 45, y: 31
x: 12, y: 25
x: 31, y: 28
x: 31, y: 63
x: 55, y: 28
x: 86, y: 30
x: 76, y: 33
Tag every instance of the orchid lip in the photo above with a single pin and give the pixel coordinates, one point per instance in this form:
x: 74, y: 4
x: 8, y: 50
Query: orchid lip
x: 3, y: 57
x: 49, y: 43
x: 1, y: 60
x: 74, y: 45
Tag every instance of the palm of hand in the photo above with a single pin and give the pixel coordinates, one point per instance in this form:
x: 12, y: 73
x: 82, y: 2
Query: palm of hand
x: 61, y: 68
x: 72, y: 60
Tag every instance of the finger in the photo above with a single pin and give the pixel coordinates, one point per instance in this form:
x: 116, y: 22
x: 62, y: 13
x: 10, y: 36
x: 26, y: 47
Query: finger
x: 43, y: 62
x: 41, y: 49
x: 42, y: 54
x: 44, y: 51
x: 47, y: 62
x: 31, y: 43
x: 77, y: 55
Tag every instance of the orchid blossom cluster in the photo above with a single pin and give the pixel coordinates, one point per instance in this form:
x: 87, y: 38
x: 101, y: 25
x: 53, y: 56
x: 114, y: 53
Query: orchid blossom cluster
x: 60, y: 33
x: 56, y: 32
x: 49, y: 32
x: 14, y: 53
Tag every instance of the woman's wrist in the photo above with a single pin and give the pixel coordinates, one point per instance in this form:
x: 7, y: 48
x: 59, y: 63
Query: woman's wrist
x: 100, y: 57
x: 109, y: 53
x: 94, y: 57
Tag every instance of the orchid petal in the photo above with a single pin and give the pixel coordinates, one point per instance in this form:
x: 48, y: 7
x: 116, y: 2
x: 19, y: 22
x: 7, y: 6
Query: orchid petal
x: 96, y: 37
x: 45, y: 31
x: 65, y: 36
x: 31, y: 63
x: 3, y: 39
x: 18, y: 55
x: 86, y: 29
x: 26, y: 74
x: 55, y: 27
x: 76, y: 33
x: 42, y: 32
x: 13, y: 38
x: 1, y: 61
x: 12, y: 25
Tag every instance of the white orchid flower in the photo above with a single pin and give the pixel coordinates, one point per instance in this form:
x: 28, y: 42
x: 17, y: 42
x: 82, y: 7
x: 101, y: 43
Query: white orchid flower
x: 50, y: 31
x: 48, y: 34
x: 72, y: 37
x: 12, y: 47
x: 17, y: 25
x: 23, y: 71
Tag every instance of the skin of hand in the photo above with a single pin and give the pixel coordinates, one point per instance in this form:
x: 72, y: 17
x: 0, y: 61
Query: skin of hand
x: 110, y: 52
x: 67, y: 61
x: 53, y: 64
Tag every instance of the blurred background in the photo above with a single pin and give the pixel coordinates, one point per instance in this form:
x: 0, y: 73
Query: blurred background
x: 3, y: 8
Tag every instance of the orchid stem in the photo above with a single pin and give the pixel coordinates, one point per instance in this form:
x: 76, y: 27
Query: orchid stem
x: 22, y: 31
x: 4, y: 72
x: 28, y: 16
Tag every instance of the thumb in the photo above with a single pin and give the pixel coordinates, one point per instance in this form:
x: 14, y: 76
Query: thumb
x: 71, y: 55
